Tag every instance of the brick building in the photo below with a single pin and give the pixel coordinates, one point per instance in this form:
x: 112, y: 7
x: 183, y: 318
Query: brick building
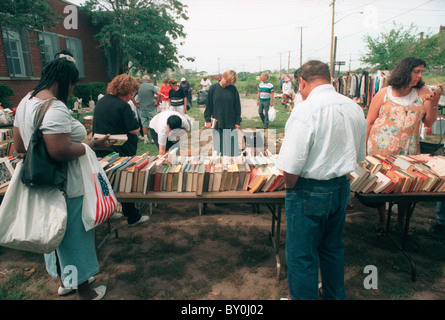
x: 23, y: 53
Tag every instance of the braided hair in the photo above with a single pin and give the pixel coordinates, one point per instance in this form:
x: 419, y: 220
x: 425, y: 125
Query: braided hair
x: 62, y: 70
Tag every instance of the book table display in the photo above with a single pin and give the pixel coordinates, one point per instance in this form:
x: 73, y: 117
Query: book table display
x: 400, y: 178
x: 201, y: 180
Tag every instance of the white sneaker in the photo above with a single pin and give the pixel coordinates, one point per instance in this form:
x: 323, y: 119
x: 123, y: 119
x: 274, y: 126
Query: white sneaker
x: 100, y: 290
x: 62, y: 291
x: 141, y: 220
x: 145, y: 141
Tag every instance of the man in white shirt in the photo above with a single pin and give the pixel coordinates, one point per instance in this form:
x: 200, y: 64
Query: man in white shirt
x: 205, y: 83
x: 165, y: 124
x: 324, y: 139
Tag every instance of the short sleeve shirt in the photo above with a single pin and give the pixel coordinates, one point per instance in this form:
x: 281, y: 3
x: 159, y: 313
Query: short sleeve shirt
x: 57, y: 120
x: 114, y: 116
x: 324, y: 137
x: 265, y: 89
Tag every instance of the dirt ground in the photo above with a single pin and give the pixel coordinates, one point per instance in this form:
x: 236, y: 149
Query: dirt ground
x: 226, y: 254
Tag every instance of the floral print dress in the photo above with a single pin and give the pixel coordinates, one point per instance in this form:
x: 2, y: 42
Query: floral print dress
x: 396, y: 129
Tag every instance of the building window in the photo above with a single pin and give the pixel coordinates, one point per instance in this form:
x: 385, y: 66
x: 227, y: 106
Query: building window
x: 75, y: 47
x: 49, y: 46
x: 17, y: 50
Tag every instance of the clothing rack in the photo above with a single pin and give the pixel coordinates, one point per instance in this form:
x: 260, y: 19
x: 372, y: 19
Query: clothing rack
x: 362, y: 86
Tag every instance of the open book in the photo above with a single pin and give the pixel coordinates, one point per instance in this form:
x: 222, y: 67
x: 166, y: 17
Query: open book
x: 114, y: 139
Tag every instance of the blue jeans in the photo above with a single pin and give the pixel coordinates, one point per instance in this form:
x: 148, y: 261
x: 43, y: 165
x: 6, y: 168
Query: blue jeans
x: 315, y: 217
x: 440, y: 210
x: 263, y: 111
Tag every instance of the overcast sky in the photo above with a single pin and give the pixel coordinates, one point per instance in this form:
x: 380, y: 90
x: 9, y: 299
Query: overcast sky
x: 258, y: 35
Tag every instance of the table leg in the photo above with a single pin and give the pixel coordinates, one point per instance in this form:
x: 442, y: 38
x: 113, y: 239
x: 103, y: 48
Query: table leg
x: 110, y: 231
x: 402, y: 248
x: 275, y: 234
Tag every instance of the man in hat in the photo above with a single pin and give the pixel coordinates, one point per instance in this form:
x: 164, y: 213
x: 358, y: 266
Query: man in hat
x: 185, y: 85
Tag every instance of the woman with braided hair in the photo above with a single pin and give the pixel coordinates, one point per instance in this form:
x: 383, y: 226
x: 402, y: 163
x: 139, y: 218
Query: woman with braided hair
x: 63, y: 136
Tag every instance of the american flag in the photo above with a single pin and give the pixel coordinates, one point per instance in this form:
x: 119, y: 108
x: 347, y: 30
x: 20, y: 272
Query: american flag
x: 105, y: 203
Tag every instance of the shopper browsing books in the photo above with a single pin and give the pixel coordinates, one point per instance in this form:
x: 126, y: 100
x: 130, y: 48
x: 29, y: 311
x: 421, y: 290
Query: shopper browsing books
x: 113, y: 115
x: 315, y: 163
x: 166, y: 127
x: 224, y: 110
x: 63, y: 137
x: 396, y: 114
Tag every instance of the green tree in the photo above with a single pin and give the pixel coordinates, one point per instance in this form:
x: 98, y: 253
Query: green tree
x: 432, y: 50
x: 142, y: 32
x: 34, y: 14
x: 385, y: 50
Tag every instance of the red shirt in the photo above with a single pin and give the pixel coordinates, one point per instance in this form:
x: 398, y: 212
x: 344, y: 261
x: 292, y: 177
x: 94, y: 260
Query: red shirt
x: 165, y: 89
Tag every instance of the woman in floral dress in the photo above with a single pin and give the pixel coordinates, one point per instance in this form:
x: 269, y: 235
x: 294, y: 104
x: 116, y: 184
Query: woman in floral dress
x: 396, y: 114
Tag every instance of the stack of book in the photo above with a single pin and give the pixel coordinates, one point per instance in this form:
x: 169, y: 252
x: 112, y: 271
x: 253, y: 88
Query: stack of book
x: 144, y: 174
x: 400, y: 174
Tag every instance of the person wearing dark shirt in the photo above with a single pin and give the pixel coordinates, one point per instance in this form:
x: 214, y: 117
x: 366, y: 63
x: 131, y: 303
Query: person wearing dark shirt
x: 185, y: 85
x: 178, y: 98
x: 224, y: 105
x: 113, y: 115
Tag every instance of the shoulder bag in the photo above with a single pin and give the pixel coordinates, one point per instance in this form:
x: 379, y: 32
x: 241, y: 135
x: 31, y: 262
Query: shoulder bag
x: 39, y: 169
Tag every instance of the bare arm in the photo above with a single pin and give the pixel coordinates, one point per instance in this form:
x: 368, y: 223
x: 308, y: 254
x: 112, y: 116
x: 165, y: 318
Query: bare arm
x: 61, y: 148
x: 373, y: 111
x: 18, y: 142
x: 161, y: 150
x: 430, y: 104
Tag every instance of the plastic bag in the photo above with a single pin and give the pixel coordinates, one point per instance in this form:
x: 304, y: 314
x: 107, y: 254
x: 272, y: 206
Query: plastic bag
x: 32, y: 219
x: 99, y: 201
x: 272, y: 113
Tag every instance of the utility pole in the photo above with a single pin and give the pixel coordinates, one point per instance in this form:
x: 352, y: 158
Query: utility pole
x: 280, y: 63
x: 332, y: 64
x: 288, y: 62
x: 260, y: 63
x: 301, y: 46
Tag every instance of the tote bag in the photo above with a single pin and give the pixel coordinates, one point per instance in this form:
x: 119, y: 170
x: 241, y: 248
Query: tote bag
x: 99, y: 201
x: 32, y: 219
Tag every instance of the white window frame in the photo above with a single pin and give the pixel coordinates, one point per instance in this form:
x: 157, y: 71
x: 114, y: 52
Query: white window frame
x: 49, y: 46
x: 12, y: 36
x: 74, y: 45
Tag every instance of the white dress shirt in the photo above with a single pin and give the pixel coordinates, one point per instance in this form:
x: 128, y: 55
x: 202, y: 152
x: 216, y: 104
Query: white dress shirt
x: 325, y: 136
